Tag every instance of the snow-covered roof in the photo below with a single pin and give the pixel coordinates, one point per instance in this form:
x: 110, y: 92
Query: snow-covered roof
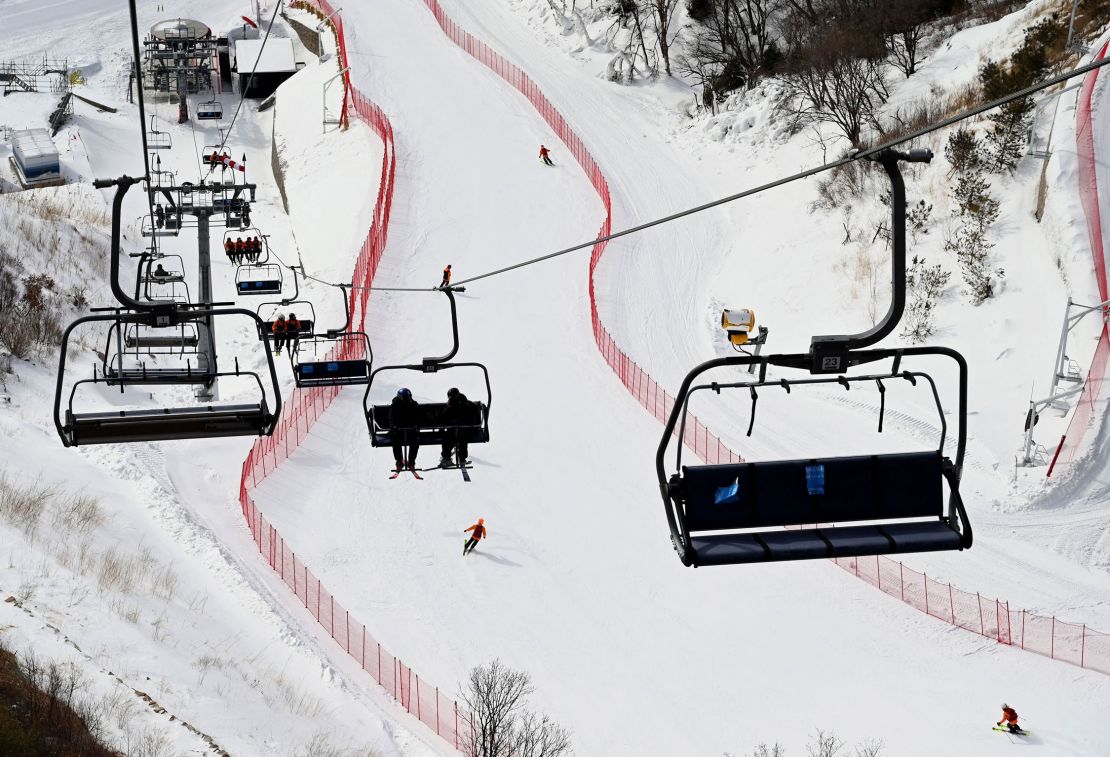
x: 33, y: 146
x: 277, y: 56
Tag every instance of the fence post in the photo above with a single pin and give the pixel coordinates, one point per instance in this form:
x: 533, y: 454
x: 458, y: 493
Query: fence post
x: 456, y: 725
x: 982, y: 629
x: 902, y: 579
x: 1023, y: 629
x: 417, y: 695
x: 925, y: 576
x: 951, y: 605
x: 283, y: 559
x: 1052, y: 640
x: 878, y: 573
x: 1083, y: 645
x: 306, y: 587
x: 437, y: 711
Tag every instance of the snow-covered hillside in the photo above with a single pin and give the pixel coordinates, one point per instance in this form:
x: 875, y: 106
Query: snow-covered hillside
x: 577, y: 584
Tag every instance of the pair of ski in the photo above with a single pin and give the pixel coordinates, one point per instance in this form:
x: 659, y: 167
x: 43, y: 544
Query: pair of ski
x: 1022, y: 732
x: 414, y: 472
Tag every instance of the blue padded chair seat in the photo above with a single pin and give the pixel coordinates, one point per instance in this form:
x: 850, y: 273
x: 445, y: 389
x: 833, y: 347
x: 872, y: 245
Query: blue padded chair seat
x: 776, y: 493
x: 331, y: 372
x: 259, y: 287
x: 817, y: 543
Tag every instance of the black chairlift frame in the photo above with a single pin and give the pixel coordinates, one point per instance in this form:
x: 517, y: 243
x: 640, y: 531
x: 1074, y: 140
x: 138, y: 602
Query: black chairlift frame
x: 897, y: 486
x: 333, y: 372
x: 200, y: 421
x: 430, y: 430
x: 265, y: 331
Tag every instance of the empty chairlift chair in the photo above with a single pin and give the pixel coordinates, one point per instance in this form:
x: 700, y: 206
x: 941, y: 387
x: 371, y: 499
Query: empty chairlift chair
x: 332, y: 359
x: 337, y: 357
x: 201, y: 420
x: 154, y: 327
x: 826, y: 507
x: 812, y: 508
x: 181, y: 339
x: 157, y: 140
x: 210, y: 110
x: 258, y: 279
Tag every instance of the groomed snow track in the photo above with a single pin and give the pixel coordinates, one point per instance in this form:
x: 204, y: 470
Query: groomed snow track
x: 989, y: 618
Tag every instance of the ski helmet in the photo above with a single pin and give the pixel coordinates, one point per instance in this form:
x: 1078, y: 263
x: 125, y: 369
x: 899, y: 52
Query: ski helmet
x: 404, y: 393
x: 1005, y: 706
x: 452, y: 392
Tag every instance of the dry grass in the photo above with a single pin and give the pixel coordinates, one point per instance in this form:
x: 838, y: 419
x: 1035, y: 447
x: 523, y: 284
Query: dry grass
x: 43, y: 710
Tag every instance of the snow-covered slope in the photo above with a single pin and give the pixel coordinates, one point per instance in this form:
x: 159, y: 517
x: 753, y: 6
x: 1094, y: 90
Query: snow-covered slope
x: 577, y: 583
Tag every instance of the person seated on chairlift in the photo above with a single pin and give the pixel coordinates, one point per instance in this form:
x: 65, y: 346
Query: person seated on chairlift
x: 160, y: 272
x: 256, y: 249
x: 292, y: 331
x: 402, y: 421
x: 280, y: 328
x: 459, y: 411
x: 160, y: 214
x: 240, y: 250
x: 229, y: 248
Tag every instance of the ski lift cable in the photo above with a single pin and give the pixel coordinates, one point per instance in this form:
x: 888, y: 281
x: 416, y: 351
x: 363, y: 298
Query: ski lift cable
x: 250, y: 80
x: 142, y: 103
x: 858, y: 155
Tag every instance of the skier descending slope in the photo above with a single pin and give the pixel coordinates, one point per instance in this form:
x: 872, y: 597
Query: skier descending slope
x: 544, y: 153
x: 1010, y: 718
x: 480, y: 533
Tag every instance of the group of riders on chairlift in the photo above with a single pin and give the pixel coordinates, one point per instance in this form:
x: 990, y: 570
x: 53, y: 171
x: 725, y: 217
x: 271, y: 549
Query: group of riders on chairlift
x: 242, y: 250
x: 286, y: 332
x: 404, y: 418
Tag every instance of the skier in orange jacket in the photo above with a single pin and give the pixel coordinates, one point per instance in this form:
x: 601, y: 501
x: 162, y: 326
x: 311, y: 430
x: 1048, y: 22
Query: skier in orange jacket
x: 1010, y: 718
x: 479, y: 532
x: 446, y: 277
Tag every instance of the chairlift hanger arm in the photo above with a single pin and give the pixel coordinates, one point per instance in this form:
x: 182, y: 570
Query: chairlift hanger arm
x: 830, y: 352
x: 429, y: 362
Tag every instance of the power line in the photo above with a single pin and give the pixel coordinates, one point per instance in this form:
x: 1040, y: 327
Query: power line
x: 858, y: 155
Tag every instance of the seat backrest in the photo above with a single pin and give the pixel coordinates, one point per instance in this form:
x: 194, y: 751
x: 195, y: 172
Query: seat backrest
x: 428, y: 415
x: 305, y: 327
x: 326, y: 369
x: 828, y: 490
x: 259, y: 287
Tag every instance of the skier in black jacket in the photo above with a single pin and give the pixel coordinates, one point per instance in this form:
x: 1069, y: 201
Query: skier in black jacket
x: 402, y: 423
x: 459, y: 411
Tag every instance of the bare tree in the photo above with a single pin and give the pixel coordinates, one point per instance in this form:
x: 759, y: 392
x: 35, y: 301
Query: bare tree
x: 498, y: 724
x: 735, y: 43
x: 662, y: 17
x: 494, y: 699
x: 539, y: 736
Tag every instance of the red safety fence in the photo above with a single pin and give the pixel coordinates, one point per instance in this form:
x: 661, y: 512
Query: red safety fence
x: 1084, y: 412
x: 438, y: 711
x: 988, y: 617
x: 991, y: 618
